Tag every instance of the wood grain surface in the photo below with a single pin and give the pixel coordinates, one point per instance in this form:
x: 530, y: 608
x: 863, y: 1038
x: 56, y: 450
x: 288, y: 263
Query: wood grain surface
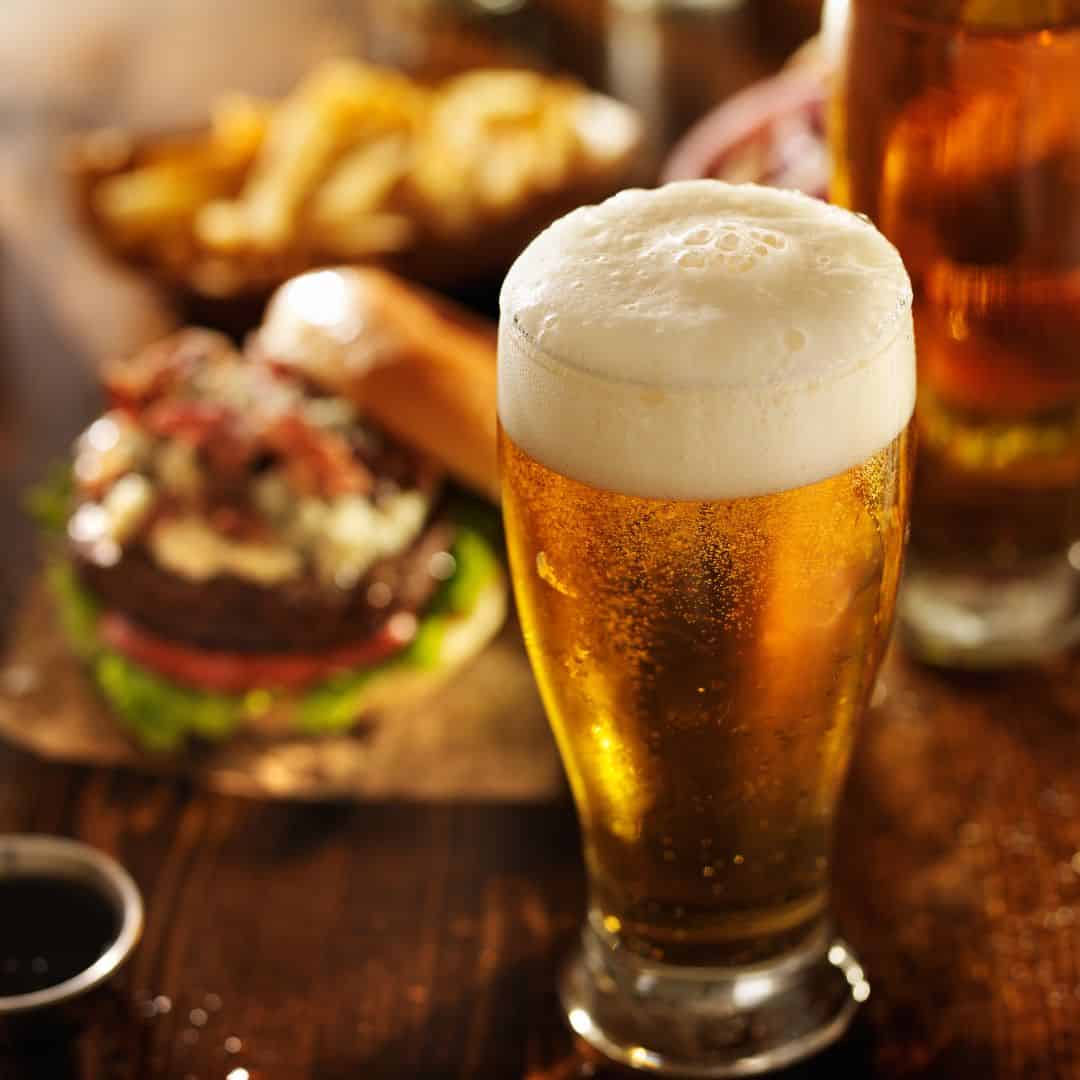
x: 395, y: 939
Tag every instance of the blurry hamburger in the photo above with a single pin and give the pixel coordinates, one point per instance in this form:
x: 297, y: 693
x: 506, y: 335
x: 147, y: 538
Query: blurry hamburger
x: 247, y: 547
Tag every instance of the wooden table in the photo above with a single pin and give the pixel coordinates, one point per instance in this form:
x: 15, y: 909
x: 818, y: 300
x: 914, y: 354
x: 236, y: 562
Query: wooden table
x: 405, y: 940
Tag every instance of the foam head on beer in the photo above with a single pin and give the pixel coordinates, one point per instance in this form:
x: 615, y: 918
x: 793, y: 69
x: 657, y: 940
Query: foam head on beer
x: 706, y: 341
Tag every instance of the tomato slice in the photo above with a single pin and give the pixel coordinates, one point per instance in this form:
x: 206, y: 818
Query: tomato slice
x: 236, y: 673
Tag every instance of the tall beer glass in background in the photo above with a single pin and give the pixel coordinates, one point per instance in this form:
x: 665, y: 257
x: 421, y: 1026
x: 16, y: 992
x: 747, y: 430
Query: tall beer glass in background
x: 704, y: 394
x: 956, y: 128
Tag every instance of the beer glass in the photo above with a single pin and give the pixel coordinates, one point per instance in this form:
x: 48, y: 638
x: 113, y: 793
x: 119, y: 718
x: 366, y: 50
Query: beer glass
x: 956, y: 128
x: 704, y: 397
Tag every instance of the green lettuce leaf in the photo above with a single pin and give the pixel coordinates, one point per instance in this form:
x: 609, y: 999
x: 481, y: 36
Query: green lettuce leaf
x: 474, y: 566
x: 160, y: 714
x: 49, y: 503
x: 78, y: 610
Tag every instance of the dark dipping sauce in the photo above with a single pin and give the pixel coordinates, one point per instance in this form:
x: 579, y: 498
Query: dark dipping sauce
x: 51, y: 929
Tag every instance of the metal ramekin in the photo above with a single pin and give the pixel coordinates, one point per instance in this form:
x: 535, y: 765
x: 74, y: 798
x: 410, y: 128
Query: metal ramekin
x: 31, y: 854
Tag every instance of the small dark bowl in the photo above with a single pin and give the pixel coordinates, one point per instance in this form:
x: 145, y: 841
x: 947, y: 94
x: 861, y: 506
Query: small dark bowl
x: 24, y: 1016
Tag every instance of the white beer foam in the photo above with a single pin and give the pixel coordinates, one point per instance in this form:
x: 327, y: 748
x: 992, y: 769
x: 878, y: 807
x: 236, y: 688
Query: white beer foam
x: 706, y: 341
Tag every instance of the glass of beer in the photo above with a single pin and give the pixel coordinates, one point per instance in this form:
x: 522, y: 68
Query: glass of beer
x: 956, y: 128
x: 704, y: 399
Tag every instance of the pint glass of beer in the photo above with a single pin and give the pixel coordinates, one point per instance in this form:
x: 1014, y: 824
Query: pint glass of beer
x: 956, y: 128
x: 704, y: 397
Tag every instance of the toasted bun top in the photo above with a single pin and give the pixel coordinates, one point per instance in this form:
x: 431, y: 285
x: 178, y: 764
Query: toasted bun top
x: 419, y: 366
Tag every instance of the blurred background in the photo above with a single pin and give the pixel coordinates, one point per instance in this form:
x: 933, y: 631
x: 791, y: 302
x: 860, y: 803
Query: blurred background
x: 162, y: 63
x: 152, y: 67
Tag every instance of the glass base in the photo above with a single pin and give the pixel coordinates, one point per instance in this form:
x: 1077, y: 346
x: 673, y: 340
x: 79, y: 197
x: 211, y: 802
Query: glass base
x: 711, y: 1021
x: 969, y: 620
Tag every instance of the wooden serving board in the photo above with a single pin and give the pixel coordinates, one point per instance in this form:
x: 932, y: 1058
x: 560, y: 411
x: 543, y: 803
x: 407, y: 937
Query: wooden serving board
x: 481, y: 736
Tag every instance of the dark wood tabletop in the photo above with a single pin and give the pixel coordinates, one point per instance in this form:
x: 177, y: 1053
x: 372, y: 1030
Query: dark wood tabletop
x: 388, y: 940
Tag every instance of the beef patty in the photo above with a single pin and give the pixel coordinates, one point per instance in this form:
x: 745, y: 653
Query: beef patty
x: 234, y: 615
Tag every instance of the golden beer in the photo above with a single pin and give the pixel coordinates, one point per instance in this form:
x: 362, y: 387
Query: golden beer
x: 704, y: 665
x: 955, y: 129
x: 704, y: 398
